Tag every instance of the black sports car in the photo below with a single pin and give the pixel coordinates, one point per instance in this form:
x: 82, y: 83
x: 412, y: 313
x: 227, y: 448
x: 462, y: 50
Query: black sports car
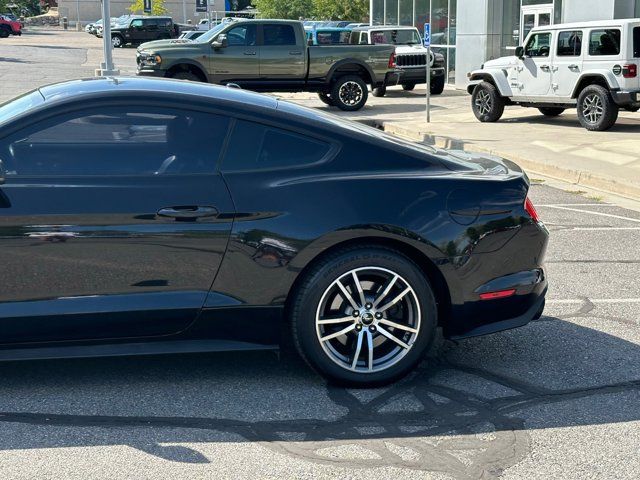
x: 147, y: 216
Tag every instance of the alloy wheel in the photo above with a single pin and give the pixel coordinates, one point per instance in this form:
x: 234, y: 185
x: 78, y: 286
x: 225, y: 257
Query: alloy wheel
x: 350, y: 93
x: 115, y: 41
x: 483, y: 102
x: 592, y: 108
x: 368, y: 319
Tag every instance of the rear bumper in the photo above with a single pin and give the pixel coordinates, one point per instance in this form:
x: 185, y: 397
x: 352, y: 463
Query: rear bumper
x: 626, y: 98
x: 393, y: 78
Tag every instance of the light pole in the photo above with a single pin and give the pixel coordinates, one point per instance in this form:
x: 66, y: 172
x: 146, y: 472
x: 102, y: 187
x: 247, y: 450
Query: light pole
x: 106, y: 68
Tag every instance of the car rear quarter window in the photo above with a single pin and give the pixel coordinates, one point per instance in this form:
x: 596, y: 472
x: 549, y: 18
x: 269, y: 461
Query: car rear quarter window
x: 254, y: 146
x: 570, y: 44
x: 113, y: 141
x: 604, y: 42
x: 276, y: 34
x: 636, y: 42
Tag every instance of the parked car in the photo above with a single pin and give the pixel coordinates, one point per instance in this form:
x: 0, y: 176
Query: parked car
x: 182, y: 236
x: 143, y: 29
x: 327, y: 36
x: 591, y: 66
x: 411, y: 55
x: 273, y: 55
x: 9, y: 27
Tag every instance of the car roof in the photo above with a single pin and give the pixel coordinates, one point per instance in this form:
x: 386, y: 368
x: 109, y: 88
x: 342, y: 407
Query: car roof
x: 591, y: 24
x: 105, y: 86
x: 383, y: 27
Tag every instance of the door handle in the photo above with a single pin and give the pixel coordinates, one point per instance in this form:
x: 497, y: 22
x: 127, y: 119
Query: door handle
x: 573, y: 67
x: 544, y: 68
x: 188, y: 212
x: 250, y: 52
x: 295, y: 52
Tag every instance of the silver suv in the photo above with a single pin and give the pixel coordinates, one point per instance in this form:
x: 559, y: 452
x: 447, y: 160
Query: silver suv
x: 592, y: 66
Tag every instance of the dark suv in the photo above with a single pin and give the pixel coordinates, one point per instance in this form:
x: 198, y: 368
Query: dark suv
x: 146, y: 29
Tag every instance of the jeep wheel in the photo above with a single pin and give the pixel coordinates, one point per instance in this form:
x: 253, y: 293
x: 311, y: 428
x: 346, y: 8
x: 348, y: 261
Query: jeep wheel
x: 436, y: 86
x: 326, y: 99
x: 551, y: 111
x: 486, y: 102
x: 116, y: 41
x: 596, y: 109
x: 349, y: 93
x: 407, y: 87
x: 184, y: 75
x: 379, y: 91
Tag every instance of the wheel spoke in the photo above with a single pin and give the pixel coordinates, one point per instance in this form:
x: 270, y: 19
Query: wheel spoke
x: 395, y: 300
x: 370, y: 348
x: 358, y: 287
x: 338, y: 333
x: 330, y: 321
x: 386, y: 291
x: 347, y: 295
x: 389, y: 323
x: 391, y: 337
x: 358, y: 348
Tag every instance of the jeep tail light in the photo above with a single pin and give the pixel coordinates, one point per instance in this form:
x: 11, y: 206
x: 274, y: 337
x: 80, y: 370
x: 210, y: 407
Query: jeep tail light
x: 531, y: 210
x: 630, y: 70
x: 392, y: 60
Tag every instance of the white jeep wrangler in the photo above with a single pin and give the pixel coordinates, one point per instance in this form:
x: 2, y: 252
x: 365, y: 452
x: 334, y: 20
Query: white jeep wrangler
x: 591, y: 65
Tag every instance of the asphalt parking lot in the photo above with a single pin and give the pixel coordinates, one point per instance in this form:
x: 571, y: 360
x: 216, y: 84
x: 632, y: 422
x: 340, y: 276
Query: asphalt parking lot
x: 559, y: 398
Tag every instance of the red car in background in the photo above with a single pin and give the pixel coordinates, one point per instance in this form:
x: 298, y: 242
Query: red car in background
x: 9, y: 27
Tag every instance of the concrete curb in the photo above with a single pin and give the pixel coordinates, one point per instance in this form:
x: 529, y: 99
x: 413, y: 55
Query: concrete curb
x: 578, y: 177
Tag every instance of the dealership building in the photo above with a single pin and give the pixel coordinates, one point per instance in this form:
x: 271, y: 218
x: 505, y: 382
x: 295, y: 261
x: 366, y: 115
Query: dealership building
x: 468, y: 32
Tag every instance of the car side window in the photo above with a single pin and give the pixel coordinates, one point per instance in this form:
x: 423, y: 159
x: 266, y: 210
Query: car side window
x: 636, y: 42
x: 242, y: 36
x: 136, y: 23
x: 570, y: 44
x: 275, y: 34
x: 539, y: 45
x: 270, y: 148
x: 119, y: 141
x: 604, y: 42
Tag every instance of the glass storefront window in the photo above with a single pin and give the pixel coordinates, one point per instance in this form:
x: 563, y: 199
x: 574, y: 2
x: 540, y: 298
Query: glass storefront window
x: 392, y: 12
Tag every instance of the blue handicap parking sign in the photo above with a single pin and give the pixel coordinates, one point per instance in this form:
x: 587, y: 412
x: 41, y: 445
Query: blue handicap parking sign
x: 427, y: 34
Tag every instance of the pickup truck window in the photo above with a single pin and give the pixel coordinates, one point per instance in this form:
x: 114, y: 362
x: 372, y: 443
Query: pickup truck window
x: 242, y: 36
x: 604, y: 42
x: 539, y: 45
x: 570, y: 44
x: 395, y: 37
x: 275, y: 34
x: 254, y: 146
x: 636, y: 42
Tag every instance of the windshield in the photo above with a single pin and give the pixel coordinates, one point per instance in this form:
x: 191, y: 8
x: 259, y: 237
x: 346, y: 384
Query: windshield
x: 396, y: 37
x: 207, y: 37
x: 15, y: 107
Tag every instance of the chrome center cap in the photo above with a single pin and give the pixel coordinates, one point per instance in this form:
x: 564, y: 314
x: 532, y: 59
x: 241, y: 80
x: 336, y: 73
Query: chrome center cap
x: 367, y: 318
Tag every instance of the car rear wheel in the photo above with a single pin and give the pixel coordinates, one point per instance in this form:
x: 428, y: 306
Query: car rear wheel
x: 4, y: 32
x: 551, y: 111
x: 185, y: 75
x: 379, y: 91
x: 436, y: 86
x: 407, y: 87
x: 364, y: 316
x: 117, y: 41
x: 349, y: 93
x: 596, y: 109
x: 486, y: 102
x: 326, y: 99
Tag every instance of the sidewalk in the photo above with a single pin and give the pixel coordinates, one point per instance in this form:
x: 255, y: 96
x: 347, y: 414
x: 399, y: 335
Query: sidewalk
x: 556, y: 147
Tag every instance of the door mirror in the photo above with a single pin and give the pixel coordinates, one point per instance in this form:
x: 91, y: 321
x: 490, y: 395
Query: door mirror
x: 220, y: 41
x: 520, y: 52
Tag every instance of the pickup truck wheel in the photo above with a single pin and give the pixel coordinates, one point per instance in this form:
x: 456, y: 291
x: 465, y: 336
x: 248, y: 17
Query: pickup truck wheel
x: 184, y: 75
x: 379, y: 91
x: 349, y: 93
x: 596, y: 109
x: 551, y: 111
x: 486, y: 102
x: 116, y: 41
x: 407, y: 87
x: 326, y: 99
x: 437, y: 85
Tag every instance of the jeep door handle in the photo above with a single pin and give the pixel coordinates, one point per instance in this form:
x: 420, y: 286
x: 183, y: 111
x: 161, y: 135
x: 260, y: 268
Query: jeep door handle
x: 573, y: 67
x: 545, y: 68
x: 250, y: 52
x: 295, y: 52
x: 187, y: 212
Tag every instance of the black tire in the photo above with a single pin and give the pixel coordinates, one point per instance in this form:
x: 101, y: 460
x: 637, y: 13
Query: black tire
x: 4, y: 31
x: 436, y: 86
x: 486, y: 102
x: 551, y: 111
x: 632, y: 109
x: 117, y: 41
x: 310, y: 297
x: 326, y: 99
x: 186, y: 75
x: 407, y: 87
x: 379, y: 91
x: 597, y: 111
x: 349, y: 93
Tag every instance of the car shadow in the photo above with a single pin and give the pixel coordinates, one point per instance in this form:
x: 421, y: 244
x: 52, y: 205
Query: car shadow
x: 473, y: 396
x: 624, y: 124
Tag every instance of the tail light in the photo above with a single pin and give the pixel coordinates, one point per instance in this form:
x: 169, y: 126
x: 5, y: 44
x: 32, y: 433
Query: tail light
x: 630, y: 70
x: 499, y: 294
x: 392, y: 60
x: 531, y: 210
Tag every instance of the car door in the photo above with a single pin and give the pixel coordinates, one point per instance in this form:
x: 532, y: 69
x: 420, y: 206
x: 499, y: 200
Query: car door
x: 136, y: 31
x: 534, y: 69
x: 239, y: 60
x: 282, y: 53
x: 113, y: 222
x: 150, y: 29
x: 567, y: 63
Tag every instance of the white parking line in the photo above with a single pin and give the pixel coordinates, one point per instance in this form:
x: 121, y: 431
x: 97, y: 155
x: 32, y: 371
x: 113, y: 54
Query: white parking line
x: 551, y: 205
x: 610, y: 215
x: 579, y: 301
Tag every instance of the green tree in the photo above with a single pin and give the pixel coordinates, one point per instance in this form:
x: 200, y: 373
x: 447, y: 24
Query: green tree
x: 355, y: 10
x: 157, y: 7
x: 292, y: 9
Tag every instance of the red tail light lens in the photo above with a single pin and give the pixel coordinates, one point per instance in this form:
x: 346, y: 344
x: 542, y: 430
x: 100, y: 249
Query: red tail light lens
x: 498, y: 294
x: 630, y: 70
x: 392, y: 60
x: 531, y: 210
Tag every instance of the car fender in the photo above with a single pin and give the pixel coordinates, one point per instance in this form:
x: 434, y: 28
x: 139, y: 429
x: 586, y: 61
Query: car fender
x: 185, y: 61
x: 600, y: 74
x: 499, y: 78
x: 349, y: 62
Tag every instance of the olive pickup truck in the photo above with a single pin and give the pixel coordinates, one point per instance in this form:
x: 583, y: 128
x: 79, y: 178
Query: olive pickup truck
x: 273, y: 56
